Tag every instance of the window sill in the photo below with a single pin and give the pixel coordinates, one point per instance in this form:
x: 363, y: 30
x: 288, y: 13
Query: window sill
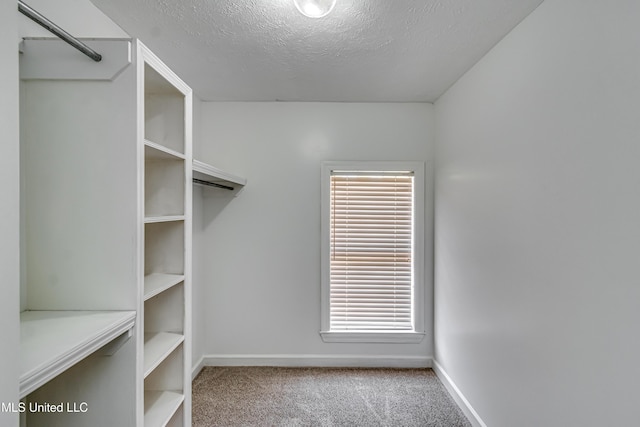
x: 372, y: 337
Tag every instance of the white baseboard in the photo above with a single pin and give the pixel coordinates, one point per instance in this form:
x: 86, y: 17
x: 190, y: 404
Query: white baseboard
x: 457, y: 395
x: 317, y: 360
x: 197, y: 368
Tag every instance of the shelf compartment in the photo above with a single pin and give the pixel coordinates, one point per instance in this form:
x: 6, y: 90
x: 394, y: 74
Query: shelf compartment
x: 165, y: 311
x: 157, y: 347
x: 169, y: 374
x: 53, y: 341
x: 164, y: 111
x: 160, y: 406
x: 164, y: 185
x: 156, y: 283
x: 164, y: 247
x: 204, y: 173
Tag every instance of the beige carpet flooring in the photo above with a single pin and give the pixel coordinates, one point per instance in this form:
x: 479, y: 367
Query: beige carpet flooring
x: 265, y: 396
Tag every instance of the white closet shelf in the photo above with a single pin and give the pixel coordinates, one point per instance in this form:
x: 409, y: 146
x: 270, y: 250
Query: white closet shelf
x: 53, y: 341
x: 156, y: 151
x: 159, y: 407
x: 213, y: 175
x: 167, y: 218
x: 156, y: 283
x: 157, y: 346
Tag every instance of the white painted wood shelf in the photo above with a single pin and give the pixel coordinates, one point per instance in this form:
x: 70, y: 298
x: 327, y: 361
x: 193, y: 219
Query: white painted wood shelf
x: 159, y: 407
x: 157, y: 283
x: 53, y: 341
x: 168, y: 218
x: 157, y: 346
x: 160, y: 152
x: 212, y: 175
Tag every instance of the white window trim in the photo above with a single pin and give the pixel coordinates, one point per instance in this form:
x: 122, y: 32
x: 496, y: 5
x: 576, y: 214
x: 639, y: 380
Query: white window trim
x: 418, y: 333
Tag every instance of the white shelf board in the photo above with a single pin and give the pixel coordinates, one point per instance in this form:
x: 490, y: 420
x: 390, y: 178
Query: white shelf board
x: 157, y: 346
x: 160, y: 152
x: 157, y: 283
x: 53, y: 341
x: 168, y: 218
x: 159, y: 407
x: 208, y: 173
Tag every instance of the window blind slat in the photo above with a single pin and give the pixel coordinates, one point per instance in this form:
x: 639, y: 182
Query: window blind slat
x: 388, y: 276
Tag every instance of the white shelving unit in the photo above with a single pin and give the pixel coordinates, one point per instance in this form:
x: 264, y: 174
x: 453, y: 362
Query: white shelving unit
x: 106, y: 207
x: 165, y: 139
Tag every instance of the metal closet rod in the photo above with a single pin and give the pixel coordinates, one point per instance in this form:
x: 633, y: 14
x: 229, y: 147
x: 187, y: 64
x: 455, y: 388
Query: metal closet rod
x: 41, y: 20
x: 212, y: 184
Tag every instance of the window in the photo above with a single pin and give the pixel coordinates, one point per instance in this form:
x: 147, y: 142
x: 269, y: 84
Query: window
x: 372, y: 251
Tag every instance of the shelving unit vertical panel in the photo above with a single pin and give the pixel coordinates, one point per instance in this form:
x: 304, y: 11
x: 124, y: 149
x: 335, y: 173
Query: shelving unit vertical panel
x: 141, y: 201
x: 187, y: 347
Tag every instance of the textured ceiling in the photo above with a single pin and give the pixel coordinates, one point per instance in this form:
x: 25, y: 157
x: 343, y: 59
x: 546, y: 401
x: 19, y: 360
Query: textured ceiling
x: 365, y: 50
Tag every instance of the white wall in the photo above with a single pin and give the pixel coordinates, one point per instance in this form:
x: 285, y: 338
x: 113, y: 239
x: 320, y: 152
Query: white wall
x: 9, y: 209
x: 80, y: 18
x: 263, y: 247
x: 537, y: 221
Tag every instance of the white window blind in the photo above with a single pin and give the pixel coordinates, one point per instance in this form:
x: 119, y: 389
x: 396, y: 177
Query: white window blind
x: 371, y: 251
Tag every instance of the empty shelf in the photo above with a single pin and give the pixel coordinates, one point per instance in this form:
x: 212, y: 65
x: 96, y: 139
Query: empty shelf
x: 159, y: 407
x: 53, y: 341
x: 157, y: 151
x: 204, y: 173
x: 157, y: 347
x: 156, y: 283
x: 167, y: 218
